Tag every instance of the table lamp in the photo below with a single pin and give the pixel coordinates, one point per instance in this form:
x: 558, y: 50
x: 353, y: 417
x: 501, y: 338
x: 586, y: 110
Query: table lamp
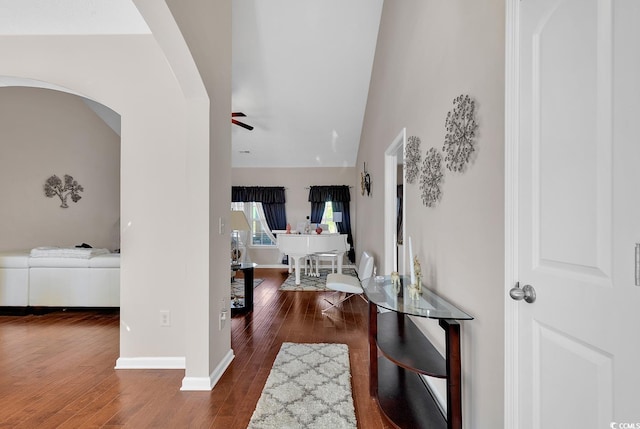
x: 238, y: 223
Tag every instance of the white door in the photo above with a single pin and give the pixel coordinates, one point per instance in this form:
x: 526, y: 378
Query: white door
x: 578, y: 218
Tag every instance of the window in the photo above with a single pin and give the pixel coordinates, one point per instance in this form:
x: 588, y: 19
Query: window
x: 260, y: 233
x: 327, y: 217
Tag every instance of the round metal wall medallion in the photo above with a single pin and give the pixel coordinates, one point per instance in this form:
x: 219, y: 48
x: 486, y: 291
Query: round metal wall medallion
x: 412, y: 159
x: 431, y: 177
x: 461, y: 131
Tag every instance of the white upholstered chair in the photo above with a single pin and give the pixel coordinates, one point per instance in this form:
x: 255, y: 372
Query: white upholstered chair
x: 349, y: 285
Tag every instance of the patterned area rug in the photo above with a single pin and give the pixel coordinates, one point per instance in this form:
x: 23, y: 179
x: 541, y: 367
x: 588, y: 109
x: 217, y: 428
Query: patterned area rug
x: 312, y: 283
x: 309, y: 386
x: 237, y: 287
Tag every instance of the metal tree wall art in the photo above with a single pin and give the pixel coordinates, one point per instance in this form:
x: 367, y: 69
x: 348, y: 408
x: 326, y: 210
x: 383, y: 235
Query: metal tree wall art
x: 431, y: 177
x: 365, y: 181
x: 54, y: 187
x: 461, y: 131
x: 412, y: 159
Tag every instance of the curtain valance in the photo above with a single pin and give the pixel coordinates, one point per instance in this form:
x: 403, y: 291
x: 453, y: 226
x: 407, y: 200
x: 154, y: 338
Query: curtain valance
x: 321, y: 194
x: 258, y: 194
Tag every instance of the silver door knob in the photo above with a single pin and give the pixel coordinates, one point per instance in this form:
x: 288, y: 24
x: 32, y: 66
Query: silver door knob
x: 528, y: 293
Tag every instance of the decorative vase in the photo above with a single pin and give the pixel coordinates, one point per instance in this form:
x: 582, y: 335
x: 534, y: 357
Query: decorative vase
x: 318, y: 230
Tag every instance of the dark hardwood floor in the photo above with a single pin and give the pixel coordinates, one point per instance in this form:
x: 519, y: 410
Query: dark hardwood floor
x: 56, y: 370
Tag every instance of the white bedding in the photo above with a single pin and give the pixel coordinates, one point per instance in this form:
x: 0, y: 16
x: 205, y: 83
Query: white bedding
x: 67, y: 252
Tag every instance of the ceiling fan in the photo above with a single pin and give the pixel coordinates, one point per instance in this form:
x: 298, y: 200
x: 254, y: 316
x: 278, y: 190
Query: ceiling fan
x: 242, y: 124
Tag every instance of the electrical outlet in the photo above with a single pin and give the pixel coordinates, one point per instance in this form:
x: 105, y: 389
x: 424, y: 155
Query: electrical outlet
x: 165, y: 318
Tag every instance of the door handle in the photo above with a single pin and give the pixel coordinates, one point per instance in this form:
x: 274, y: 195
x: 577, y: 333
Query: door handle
x: 528, y: 293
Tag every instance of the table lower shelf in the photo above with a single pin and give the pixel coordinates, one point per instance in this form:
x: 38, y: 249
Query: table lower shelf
x: 405, y: 400
x: 400, y: 341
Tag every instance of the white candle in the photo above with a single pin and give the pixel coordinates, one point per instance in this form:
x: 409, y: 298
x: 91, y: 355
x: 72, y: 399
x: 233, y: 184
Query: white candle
x: 395, y: 253
x: 411, y: 267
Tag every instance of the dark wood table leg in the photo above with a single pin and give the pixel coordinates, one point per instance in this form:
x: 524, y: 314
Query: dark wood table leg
x: 373, y: 349
x: 248, y: 289
x: 454, y: 373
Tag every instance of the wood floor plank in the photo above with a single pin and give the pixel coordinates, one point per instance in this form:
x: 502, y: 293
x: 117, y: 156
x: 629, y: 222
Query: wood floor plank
x: 56, y: 369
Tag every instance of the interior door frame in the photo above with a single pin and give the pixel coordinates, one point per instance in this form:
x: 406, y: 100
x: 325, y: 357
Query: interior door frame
x: 390, y: 196
x: 511, y: 178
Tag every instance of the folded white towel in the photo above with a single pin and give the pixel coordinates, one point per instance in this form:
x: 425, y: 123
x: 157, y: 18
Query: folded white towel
x: 67, y: 252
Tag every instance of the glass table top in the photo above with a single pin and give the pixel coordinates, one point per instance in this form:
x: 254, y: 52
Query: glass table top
x: 243, y: 266
x: 380, y: 291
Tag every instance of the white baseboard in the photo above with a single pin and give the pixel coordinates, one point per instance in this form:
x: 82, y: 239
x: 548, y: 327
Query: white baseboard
x: 151, y: 363
x: 188, y: 383
x: 207, y: 383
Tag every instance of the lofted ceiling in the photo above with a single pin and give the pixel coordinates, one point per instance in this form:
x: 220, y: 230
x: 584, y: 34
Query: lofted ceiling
x: 301, y: 72
x: 300, y: 69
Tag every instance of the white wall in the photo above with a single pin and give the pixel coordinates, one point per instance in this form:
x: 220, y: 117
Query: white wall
x: 296, y: 182
x: 429, y: 52
x: 46, y: 132
x: 206, y: 27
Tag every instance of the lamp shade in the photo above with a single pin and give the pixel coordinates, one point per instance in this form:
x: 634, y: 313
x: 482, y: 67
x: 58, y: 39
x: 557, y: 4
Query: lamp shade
x: 239, y: 221
x: 337, y: 216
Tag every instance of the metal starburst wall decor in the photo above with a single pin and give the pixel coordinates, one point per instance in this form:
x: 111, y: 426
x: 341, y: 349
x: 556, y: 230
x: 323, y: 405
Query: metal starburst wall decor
x: 412, y: 159
x: 431, y: 177
x: 461, y: 131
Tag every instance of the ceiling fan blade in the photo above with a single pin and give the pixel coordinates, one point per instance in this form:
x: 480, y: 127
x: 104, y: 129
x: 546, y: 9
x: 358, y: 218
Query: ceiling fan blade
x: 243, y: 125
x: 237, y: 114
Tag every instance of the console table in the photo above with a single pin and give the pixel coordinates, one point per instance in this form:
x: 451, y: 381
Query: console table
x: 244, y: 305
x: 405, y: 353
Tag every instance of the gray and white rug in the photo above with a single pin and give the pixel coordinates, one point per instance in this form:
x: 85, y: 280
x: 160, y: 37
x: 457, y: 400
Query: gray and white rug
x: 237, y: 287
x: 309, y: 283
x: 308, y: 387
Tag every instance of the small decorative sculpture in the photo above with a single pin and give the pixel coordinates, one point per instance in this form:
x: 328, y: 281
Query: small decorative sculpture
x: 395, y: 282
x: 318, y: 230
x: 54, y: 187
x: 288, y: 228
x: 414, y: 292
x: 418, y: 270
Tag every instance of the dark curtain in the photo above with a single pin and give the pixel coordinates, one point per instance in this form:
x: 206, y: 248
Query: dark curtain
x: 344, y: 227
x: 329, y: 193
x: 272, y: 199
x: 317, y: 210
x: 340, y: 198
x: 275, y: 215
x: 258, y: 194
